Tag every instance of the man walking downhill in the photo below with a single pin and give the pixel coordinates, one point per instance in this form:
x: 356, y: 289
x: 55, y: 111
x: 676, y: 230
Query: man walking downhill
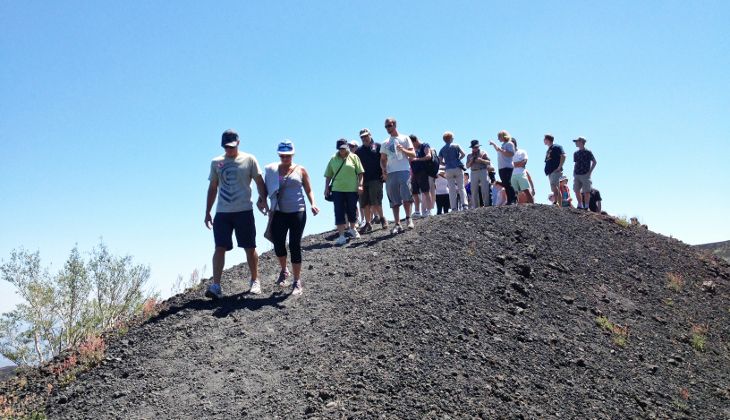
x: 394, y: 154
x: 505, y: 152
x: 371, y: 199
x: 420, y: 185
x: 585, y: 163
x: 479, y: 162
x: 554, y: 159
x: 451, y: 155
x: 230, y: 180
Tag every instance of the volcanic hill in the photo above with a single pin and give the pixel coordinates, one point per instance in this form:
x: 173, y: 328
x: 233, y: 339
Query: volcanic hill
x: 510, y: 312
x: 720, y: 249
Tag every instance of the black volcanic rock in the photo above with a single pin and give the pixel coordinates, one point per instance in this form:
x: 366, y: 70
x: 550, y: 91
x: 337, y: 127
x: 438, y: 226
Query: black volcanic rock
x: 513, y: 312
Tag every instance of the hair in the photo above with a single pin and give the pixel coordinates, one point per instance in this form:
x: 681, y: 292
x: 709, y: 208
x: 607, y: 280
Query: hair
x: 500, y: 183
x: 514, y: 141
x: 448, y: 134
x: 391, y: 120
x: 504, y: 135
x: 414, y: 137
x: 549, y: 137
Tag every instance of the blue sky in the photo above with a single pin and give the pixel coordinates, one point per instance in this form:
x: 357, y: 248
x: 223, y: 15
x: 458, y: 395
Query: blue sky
x: 111, y: 111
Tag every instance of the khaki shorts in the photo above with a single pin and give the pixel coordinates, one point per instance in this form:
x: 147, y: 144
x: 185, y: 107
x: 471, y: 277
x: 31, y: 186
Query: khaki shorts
x: 582, y: 183
x: 372, y: 194
x: 555, y: 178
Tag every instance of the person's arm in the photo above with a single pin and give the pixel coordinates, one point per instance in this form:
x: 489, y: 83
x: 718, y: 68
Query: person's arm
x: 327, y: 180
x: 308, y: 191
x: 562, y: 160
x: 593, y: 166
x: 262, y: 204
x: 496, y: 148
x: 410, y: 152
x: 384, y: 165
x: 360, y: 187
x: 210, y: 199
x: 469, y: 161
x: 598, y: 206
x: 529, y: 179
x: 461, y: 153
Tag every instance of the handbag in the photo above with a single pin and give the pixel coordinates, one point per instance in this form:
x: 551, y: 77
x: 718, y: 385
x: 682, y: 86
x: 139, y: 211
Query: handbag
x: 328, y: 196
x: 269, y: 232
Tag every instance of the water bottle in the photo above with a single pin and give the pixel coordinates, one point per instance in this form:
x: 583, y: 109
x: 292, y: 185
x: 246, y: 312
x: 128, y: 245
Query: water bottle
x: 398, y: 153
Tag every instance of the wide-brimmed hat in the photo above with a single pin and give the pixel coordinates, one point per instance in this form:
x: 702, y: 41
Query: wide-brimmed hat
x: 475, y: 143
x: 286, y: 147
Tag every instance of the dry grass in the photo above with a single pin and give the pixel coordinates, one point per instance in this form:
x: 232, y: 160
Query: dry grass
x: 619, y: 334
x: 675, y: 282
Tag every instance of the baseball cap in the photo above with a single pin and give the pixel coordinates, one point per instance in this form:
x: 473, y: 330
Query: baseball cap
x: 364, y: 132
x: 580, y: 139
x: 342, y: 144
x: 353, y: 143
x: 286, y: 147
x: 563, y: 178
x: 229, y: 138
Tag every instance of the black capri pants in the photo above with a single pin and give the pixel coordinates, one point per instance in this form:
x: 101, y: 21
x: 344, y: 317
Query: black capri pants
x: 345, y: 205
x: 294, y: 224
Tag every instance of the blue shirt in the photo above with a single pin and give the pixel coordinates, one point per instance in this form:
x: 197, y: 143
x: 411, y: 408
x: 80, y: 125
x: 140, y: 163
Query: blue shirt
x: 450, y: 154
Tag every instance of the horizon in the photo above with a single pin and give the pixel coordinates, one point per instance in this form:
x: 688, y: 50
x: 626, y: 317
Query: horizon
x: 112, y: 113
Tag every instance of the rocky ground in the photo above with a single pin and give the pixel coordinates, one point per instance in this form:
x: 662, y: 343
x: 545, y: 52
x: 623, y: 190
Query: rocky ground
x: 513, y: 312
x: 719, y: 249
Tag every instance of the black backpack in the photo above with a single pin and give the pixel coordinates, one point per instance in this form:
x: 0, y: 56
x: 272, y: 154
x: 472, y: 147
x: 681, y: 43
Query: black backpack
x: 432, y: 166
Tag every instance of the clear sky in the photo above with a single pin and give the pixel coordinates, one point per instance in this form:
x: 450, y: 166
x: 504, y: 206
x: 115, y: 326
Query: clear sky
x: 111, y: 111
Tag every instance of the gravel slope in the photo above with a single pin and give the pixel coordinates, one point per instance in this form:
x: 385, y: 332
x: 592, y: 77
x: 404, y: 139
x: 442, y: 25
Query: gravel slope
x: 488, y: 313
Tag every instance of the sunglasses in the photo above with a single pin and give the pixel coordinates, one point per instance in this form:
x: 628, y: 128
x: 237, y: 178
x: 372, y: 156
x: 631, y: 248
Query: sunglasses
x: 229, y: 147
x: 389, y: 126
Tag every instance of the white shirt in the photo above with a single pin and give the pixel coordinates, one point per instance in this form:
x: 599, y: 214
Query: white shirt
x: 442, y: 185
x: 520, y: 155
x: 397, y: 161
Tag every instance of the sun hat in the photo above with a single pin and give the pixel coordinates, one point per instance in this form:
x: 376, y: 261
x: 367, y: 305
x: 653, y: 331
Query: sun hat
x: 286, y: 147
x: 229, y: 138
x: 475, y: 143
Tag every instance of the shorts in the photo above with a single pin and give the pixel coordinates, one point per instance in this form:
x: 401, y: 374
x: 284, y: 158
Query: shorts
x: 224, y: 224
x: 398, y: 187
x: 372, y: 194
x: 419, y: 183
x: 555, y: 178
x: 582, y: 183
x: 519, y: 182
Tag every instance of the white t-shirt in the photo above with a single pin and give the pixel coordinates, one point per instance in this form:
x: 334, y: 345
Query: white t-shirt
x: 397, y: 161
x: 519, y: 156
x: 497, y: 198
x: 442, y: 185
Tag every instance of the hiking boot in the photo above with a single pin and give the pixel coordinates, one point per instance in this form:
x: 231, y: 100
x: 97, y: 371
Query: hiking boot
x: 397, y: 229
x: 409, y: 223
x: 214, y: 291
x: 366, y: 228
x: 354, y: 233
x: 341, y: 240
x: 255, y: 287
x: 281, y: 281
x: 296, y: 287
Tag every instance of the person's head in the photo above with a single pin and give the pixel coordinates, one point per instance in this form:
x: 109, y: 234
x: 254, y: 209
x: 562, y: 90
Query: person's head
x: 466, y: 177
x: 498, y: 184
x: 352, y: 144
x: 548, y: 140
x: 514, y: 141
x: 475, y: 146
x: 580, y: 142
x: 448, y: 137
x: 229, y: 141
x: 414, y: 139
x: 563, y: 181
x: 285, y: 149
x: 504, y: 136
x: 365, y: 136
x: 343, y: 149
x: 442, y: 171
x: 391, y: 126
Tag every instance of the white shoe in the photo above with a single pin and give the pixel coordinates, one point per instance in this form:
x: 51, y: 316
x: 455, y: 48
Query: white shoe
x: 427, y: 214
x: 341, y: 240
x: 296, y: 287
x: 416, y: 214
x: 354, y: 233
x: 255, y: 287
x: 396, y: 229
x: 409, y: 225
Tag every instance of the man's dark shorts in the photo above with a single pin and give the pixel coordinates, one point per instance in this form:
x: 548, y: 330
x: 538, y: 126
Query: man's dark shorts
x: 372, y: 194
x: 419, y: 183
x: 224, y: 224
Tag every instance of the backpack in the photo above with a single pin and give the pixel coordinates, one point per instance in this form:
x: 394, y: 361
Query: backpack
x: 432, y: 166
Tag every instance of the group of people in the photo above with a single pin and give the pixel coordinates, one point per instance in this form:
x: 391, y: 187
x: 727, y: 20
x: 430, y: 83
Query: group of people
x: 416, y: 177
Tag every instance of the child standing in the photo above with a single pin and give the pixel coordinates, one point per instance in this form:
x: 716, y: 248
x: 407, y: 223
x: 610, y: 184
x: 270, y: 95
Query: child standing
x: 442, y: 192
x: 566, y: 201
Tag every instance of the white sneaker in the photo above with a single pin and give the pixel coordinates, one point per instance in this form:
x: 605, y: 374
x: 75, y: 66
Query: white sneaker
x: 255, y: 287
x: 409, y: 225
x: 296, y: 287
x: 396, y: 229
x: 416, y: 214
x: 427, y: 213
x: 341, y: 240
x: 354, y: 233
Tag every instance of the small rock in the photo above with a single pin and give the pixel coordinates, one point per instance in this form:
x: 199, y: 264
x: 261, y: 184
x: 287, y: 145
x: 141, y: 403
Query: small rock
x: 568, y: 299
x: 708, y: 286
x: 331, y: 404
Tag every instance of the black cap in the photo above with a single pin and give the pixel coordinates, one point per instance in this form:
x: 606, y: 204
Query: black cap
x: 229, y: 138
x: 475, y: 143
x: 341, y: 143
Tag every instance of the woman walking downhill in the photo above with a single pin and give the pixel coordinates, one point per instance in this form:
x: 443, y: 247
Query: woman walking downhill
x: 287, y: 183
x: 344, y: 178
